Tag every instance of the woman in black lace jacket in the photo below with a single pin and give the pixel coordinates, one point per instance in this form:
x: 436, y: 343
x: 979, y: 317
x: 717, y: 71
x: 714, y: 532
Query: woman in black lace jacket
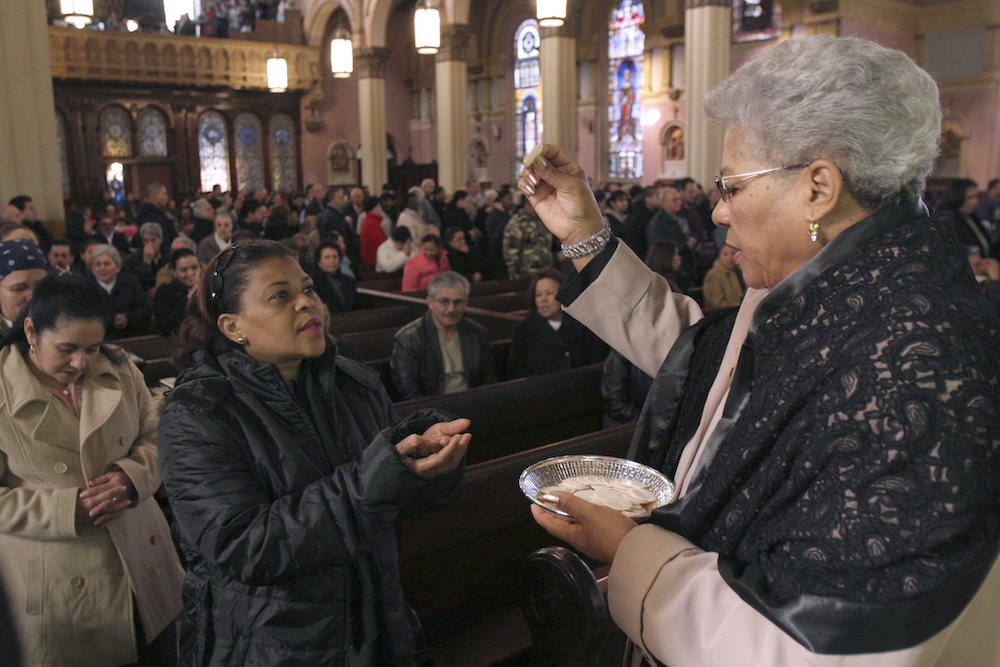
x: 836, y: 443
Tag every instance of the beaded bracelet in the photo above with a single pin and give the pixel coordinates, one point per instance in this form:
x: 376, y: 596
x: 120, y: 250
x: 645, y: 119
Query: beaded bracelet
x: 589, y: 245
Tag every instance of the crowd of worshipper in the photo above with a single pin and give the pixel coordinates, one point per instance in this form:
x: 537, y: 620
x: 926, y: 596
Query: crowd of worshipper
x: 220, y: 18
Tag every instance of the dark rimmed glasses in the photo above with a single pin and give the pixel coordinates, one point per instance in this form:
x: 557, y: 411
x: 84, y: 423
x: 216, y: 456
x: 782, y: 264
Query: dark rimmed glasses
x: 722, y: 182
x: 221, y: 264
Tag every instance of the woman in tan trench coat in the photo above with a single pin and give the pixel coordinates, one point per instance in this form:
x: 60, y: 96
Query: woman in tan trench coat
x: 85, y: 551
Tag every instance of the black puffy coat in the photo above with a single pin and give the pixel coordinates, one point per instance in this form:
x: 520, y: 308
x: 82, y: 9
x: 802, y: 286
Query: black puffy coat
x: 536, y: 348
x: 287, y: 514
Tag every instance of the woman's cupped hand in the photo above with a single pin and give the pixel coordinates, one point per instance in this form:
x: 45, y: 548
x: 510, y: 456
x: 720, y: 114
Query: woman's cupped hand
x: 438, y: 450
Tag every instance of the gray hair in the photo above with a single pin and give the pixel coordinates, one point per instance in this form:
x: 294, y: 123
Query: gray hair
x: 105, y: 249
x: 868, y: 109
x: 225, y: 214
x: 447, y: 280
x: 151, y: 229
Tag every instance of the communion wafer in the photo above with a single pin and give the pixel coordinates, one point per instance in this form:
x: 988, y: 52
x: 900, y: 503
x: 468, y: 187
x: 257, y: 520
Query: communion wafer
x: 631, y: 497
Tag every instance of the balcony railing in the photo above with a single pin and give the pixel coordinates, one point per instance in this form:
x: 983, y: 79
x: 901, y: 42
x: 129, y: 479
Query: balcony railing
x: 175, y: 60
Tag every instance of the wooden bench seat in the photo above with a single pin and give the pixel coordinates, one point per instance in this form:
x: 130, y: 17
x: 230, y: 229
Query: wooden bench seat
x: 522, y: 414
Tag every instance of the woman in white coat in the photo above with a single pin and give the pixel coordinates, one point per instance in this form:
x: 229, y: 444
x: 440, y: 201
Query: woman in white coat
x: 91, y: 573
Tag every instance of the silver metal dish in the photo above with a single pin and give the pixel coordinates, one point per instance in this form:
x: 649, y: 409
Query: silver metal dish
x: 551, y: 472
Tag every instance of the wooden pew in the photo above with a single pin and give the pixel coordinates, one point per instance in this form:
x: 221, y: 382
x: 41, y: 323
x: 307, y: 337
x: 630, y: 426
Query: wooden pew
x: 148, y: 347
x: 459, y: 566
x: 518, y: 415
x: 375, y: 318
x: 499, y: 349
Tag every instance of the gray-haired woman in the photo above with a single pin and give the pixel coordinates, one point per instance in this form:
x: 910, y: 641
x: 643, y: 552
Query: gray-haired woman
x: 835, y: 443
x: 127, y: 302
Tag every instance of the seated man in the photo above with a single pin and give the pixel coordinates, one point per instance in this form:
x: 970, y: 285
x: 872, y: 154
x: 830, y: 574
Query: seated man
x: 146, y: 263
x: 442, y: 352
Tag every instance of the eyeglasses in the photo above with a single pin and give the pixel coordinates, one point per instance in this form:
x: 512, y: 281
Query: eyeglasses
x: 722, y: 182
x: 221, y: 264
x: 444, y: 303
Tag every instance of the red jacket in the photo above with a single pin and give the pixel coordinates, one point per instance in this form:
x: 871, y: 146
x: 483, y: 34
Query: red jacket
x: 419, y: 270
x: 372, y: 236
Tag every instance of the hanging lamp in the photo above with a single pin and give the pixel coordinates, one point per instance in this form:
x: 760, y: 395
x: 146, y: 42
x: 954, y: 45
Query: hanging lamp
x: 426, y: 28
x: 79, y: 13
x: 550, y: 13
x: 277, y: 73
x: 341, y: 54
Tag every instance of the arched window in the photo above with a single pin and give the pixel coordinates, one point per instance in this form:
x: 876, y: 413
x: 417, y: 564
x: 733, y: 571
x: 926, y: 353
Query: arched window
x: 213, y: 151
x: 284, y: 175
x: 755, y: 20
x: 63, y: 158
x: 625, y: 76
x: 249, y: 153
x: 152, y: 133
x: 527, y: 92
x: 116, y: 132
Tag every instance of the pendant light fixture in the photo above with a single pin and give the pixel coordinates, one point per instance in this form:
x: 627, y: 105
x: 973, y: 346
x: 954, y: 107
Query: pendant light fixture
x: 277, y: 73
x: 426, y: 28
x: 550, y: 13
x: 77, y: 12
x: 341, y: 54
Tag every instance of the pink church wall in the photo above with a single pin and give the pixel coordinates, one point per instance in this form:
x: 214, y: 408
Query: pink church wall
x: 889, y: 38
x: 980, y: 111
x: 339, y: 112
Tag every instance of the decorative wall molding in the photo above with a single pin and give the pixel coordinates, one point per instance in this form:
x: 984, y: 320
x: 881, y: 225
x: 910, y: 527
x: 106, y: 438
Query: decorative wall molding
x: 454, y: 42
x: 369, y: 63
x: 175, y: 60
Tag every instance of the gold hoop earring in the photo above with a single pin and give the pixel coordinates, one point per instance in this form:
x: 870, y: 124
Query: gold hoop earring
x: 813, y: 230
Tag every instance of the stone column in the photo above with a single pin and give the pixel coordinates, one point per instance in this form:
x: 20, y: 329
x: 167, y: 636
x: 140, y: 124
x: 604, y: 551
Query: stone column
x: 369, y: 67
x: 559, y: 81
x: 451, y: 81
x: 29, y: 152
x: 707, y: 37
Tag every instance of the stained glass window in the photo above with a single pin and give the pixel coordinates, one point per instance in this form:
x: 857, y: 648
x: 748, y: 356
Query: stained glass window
x: 63, y: 157
x: 625, y: 47
x: 213, y: 149
x: 527, y: 92
x: 284, y: 174
x: 152, y: 133
x: 116, y: 133
x: 756, y: 20
x: 249, y: 153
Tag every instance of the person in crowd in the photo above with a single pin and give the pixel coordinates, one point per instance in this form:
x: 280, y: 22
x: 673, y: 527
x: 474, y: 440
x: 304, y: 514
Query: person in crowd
x: 203, y: 218
x: 334, y: 219
x: 665, y: 225
x: 495, y: 224
x: 355, y: 206
x: 372, y: 234
x: 347, y: 266
x: 548, y: 340
x: 171, y: 300
x: 154, y: 209
x: 462, y: 257
x: 29, y: 218
x: 809, y: 434
x: 278, y: 225
x: 286, y: 470
x: 337, y: 291
x: 392, y: 255
x: 664, y: 259
x: 644, y: 208
x: 60, y: 255
x: 456, y: 213
x: 429, y: 261
x: 442, y: 352
x: 624, y: 389
x: 126, y: 301
x: 315, y: 204
x: 11, y: 215
x: 92, y: 573
x: 146, y: 263
x: 960, y: 200
x: 615, y: 214
x: 105, y: 233
x: 483, y: 214
x: 23, y: 266
x: 253, y: 219
x: 723, y: 286
x: 988, y: 209
x: 428, y: 212
x: 476, y: 199
x: 219, y: 240
x: 987, y: 272
x: 527, y: 245
x: 410, y: 216
x: 15, y: 230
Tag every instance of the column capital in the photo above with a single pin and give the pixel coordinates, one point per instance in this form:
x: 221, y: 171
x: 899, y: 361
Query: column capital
x: 565, y: 30
x: 695, y: 4
x: 454, y: 42
x: 369, y: 62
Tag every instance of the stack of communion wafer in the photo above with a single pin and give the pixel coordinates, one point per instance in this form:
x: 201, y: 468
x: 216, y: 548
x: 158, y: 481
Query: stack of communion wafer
x: 631, y: 498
